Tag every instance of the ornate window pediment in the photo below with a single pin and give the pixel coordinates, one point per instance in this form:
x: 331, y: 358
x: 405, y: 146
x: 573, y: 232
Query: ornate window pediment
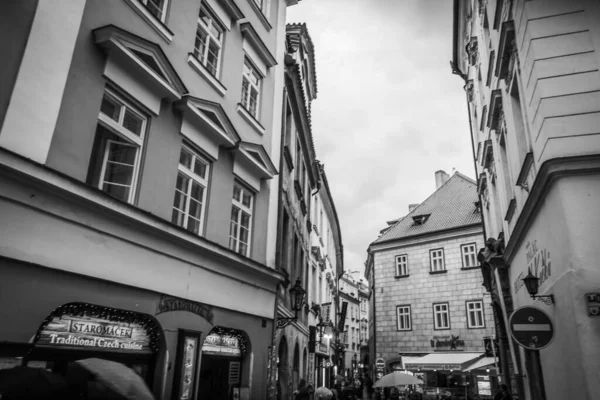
x: 488, y: 154
x: 256, y: 156
x: 250, y: 34
x: 139, y: 59
x: 473, y: 51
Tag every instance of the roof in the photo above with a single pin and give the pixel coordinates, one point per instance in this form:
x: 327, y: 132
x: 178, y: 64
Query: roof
x: 293, y: 44
x: 449, y: 207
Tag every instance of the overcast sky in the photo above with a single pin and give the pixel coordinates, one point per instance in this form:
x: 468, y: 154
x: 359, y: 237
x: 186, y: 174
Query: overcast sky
x: 389, y: 112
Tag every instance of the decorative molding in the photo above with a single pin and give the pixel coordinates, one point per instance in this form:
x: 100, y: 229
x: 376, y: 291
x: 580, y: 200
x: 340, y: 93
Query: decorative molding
x: 512, y: 206
x: 232, y: 9
x: 258, y: 157
x: 506, y: 47
x: 524, y: 173
x: 261, y: 16
x: 548, y: 173
x: 472, y: 50
x: 210, y: 78
x: 261, y: 48
x: 250, y: 119
x: 163, y: 31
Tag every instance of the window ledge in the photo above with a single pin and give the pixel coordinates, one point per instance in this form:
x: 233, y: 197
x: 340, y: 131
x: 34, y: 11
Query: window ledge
x: 201, y: 69
x: 438, y: 272
x: 470, y: 268
x: 401, y: 276
x: 261, y: 16
x: 250, y: 119
x: 154, y: 22
x: 476, y: 327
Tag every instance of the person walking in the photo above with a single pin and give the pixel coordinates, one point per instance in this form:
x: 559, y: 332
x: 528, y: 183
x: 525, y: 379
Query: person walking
x: 303, y: 392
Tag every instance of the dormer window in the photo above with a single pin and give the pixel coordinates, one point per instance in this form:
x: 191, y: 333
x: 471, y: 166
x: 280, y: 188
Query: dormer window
x: 420, y: 219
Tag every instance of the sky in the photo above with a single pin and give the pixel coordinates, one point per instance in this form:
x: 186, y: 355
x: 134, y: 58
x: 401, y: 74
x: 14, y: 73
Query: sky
x: 388, y: 113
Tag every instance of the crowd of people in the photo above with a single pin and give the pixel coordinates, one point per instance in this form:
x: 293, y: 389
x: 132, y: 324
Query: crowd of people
x: 361, y: 388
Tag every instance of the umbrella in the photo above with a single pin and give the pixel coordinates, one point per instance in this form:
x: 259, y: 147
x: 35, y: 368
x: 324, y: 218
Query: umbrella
x: 397, y: 378
x: 323, y: 393
x: 117, y: 377
x: 32, y: 383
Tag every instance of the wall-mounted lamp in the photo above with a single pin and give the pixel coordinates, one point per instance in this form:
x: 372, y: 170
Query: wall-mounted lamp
x: 297, y: 301
x: 532, y: 283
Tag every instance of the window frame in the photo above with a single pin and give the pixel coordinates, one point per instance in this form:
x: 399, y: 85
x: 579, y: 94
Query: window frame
x: 210, y: 38
x: 462, y: 255
x: 193, y: 177
x: 129, y: 137
x: 409, y: 315
x: 467, y: 311
x: 435, y: 313
x: 165, y: 8
x: 249, y: 210
x: 442, y: 258
x: 245, y: 100
x: 397, y: 270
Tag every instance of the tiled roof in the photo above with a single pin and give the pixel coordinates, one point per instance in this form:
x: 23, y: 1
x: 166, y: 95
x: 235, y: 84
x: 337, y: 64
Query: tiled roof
x: 293, y: 44
x: 451, y: 206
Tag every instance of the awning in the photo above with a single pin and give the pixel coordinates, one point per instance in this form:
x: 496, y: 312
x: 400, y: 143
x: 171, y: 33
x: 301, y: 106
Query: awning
x: 484, y: 362
x: 444, y: 361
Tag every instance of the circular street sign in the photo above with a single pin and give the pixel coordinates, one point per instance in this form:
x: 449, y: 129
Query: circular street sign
x: 380, y: 362
x: 531, y: 327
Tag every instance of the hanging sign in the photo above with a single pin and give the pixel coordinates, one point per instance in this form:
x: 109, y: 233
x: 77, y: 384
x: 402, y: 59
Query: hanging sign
x: 224, y: 345
x: 71, y: 331
x: 326, y: 312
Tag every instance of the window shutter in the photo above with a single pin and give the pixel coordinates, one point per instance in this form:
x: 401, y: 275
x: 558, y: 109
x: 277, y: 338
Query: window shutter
x: 234, y: 372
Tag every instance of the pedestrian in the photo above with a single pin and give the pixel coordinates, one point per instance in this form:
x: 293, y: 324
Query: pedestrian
x: 303, y: 392
x: 503, y: 393
x: 369, y: 385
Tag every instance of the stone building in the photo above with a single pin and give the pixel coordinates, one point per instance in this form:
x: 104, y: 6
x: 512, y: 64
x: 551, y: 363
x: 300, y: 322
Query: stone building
x: 350, y: 336
x: 431, y: 313
x: 137, y: 149
x: 532, y: 82
x: 363, y: 297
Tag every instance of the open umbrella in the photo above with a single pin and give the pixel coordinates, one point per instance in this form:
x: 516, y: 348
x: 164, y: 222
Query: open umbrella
x: 323, y: 393
x: 118, y: 377
x: 397, y: 378
x: 32, y: 383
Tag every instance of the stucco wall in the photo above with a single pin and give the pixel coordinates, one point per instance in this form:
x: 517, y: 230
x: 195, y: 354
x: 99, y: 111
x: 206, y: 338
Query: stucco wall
x: 71, y: 147
x: 15, y: 23
x: 420, y: 290
x: 559, y: 248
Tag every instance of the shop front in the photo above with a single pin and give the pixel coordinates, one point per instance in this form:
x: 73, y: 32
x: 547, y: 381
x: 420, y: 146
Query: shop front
x: 182, y: 349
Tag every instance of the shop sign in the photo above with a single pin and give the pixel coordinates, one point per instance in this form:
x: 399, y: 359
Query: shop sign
x: 92, y: 332
x: 322, y: 349
x: 169, y: 304
x: 447, y: 342
x: 441, y: 367
x: 311, y: 369
x: 483, y: 385
x: 538, y: 262
x: 224, y: 345
x: 326, y: 312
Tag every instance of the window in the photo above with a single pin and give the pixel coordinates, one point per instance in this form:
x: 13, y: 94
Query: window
x: 241, y: 220
x: 158, y: 8
x: 403, y: 318
x: 251, y: 89
x: 441, y: 317
x: 209, y: 41
x: 475, y: 317
x: 117, y: 150
x: 363, y: 305
x: 436, y: 259
x: 402, y: 265
x: 469, y: 259
x: 190, y: 191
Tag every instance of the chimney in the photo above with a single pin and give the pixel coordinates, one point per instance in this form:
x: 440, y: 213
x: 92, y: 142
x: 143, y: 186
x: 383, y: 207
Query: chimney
x: 411, y: 207
x: 440, y: 178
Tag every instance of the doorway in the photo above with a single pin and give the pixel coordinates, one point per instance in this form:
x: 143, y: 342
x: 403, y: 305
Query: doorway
x: 219, y: 376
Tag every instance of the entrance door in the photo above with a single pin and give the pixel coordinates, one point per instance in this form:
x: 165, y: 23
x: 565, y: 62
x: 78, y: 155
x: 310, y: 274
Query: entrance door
x: 218, y: 377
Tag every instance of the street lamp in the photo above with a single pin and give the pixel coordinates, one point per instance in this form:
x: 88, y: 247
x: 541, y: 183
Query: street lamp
x: 532, y: 283
x: 297, y: 301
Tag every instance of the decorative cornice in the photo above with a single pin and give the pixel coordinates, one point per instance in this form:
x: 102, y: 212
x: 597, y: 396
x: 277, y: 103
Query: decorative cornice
x: 549, y: 172
x: 294, y: 34
x: 232, y: 9
x: 261, y: 48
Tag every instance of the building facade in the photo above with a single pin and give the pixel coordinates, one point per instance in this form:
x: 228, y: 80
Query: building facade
x: 363, y: 297
x: 348, y: 288
x: 137, y: 151
x: 432, y: 313
x: 299, y: 176
x: 531, y: 78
